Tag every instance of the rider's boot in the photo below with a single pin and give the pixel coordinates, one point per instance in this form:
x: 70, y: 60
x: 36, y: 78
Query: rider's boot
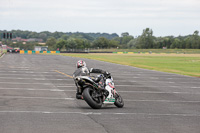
x: 79, y: 96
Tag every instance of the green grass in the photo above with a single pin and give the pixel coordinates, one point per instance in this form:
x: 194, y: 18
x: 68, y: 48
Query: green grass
x: 180, y: 64
x: 187, y: 51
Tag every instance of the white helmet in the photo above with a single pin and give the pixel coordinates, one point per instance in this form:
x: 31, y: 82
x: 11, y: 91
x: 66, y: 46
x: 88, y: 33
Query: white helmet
x: 80, y: 63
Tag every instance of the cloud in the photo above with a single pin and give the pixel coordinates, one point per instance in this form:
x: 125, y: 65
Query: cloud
x: 104, y: 15
x: 96, y: 8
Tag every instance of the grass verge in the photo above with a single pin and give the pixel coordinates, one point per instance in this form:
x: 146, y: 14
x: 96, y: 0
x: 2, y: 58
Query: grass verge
x: 184, y: 64
x: 177, y: 51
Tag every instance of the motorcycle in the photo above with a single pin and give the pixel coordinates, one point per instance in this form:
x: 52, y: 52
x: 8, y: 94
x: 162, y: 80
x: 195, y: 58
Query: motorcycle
x: 97, y: 93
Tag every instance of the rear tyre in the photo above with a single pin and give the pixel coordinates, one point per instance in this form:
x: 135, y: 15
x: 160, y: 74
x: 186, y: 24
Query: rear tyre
x: 119, y: 101
x: 89, y: 96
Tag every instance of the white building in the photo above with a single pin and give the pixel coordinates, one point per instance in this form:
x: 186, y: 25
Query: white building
x: 41, y: 48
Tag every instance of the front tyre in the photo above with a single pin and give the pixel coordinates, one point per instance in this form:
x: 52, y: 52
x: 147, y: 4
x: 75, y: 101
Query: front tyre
x: 119, y: 101
x: 92, y: 99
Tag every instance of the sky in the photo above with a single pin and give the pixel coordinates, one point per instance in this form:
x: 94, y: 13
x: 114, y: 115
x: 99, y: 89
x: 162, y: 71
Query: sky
x: 164, y: 17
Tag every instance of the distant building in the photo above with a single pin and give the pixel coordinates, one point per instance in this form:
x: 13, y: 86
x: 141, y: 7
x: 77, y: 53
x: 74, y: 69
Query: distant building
x: 19, y: 39
x: 41, y: 48
x: 34, y: 40
x: 3, y: 48
x: 42, y: 43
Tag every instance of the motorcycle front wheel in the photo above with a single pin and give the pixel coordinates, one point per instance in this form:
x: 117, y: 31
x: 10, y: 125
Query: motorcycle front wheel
x: 91, y: 97
x: 119, y: 101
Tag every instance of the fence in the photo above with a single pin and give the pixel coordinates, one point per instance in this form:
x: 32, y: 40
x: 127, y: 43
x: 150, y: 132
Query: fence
x: 36, y: 52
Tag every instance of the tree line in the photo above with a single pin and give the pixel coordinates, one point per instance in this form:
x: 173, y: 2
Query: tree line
x: 79, y: 40
x: 147, y: 41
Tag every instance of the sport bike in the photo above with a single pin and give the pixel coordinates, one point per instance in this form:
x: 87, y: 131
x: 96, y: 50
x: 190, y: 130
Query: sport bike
x: 98, y: 93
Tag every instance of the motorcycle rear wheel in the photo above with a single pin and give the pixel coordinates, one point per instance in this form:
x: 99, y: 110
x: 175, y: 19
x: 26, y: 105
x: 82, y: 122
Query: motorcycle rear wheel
x: 119, y: 101
x: 92, y: 101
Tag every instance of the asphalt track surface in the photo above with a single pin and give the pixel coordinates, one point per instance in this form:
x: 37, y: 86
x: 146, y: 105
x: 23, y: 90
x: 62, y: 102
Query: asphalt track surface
x: 37, y: 95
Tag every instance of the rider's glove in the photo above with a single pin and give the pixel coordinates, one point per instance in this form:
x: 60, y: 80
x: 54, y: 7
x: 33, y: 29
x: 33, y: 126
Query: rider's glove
x: 106, y: 74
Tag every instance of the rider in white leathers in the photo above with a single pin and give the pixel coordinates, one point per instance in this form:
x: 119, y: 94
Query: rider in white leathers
x: 82, y: 70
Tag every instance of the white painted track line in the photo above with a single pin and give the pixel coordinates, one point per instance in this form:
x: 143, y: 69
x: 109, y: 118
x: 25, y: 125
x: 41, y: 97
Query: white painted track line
x: 103, y: 113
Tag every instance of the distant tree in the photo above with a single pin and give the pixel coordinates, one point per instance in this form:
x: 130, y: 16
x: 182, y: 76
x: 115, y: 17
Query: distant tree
x: 86, y: 43
x: 146, y: 40
x: 64, y: 37
x: 101, y: 43
x: 188, y: 44
x: 159, y: 43
x: 71, y: 44
x: 57, y: 34
x: 43, y: 36
x: 176, y: 44
x: 196, y: 33
x: 125, y: 34
x: 123, y: 40
x: 126, y: 39
x: 49, y: 34
x: 113, y: 44
x: 51, y: 43
x: 192, y: 41
x: 80, y: 43
x: 132, y: 43
x: 118, y: 39
x: 104, y: 40
x: 32, y: 35
x: 105, y: 35
x: 61, y: 43
x: 195, y: 39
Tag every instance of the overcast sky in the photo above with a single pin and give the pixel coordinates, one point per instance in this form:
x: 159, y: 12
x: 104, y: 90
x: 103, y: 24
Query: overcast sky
x: 164, y: 17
